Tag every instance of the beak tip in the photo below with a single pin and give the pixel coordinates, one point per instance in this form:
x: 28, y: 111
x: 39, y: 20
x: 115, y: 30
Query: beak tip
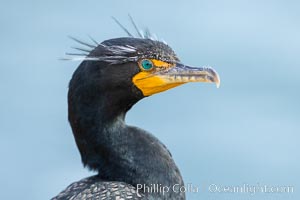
x: 218, y: 82
x: 217, y: 79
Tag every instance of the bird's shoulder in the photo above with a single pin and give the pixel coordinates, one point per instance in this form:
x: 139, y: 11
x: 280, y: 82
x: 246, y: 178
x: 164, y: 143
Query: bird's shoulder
x: 95, y: 188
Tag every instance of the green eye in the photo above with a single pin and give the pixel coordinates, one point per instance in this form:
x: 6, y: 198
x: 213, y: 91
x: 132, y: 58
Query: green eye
x: 147, y: 64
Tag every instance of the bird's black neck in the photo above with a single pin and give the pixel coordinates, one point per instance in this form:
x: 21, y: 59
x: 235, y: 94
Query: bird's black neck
x: 117, y: 151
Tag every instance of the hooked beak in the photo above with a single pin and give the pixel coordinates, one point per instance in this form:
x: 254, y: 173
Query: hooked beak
x: 163, y: 79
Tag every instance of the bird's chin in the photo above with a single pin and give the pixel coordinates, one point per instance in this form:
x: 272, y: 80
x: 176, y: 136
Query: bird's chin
x: 154, y: 82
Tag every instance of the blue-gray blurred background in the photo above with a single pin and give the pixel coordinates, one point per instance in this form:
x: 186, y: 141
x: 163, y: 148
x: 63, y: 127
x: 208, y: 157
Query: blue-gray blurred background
x: 245, y: 132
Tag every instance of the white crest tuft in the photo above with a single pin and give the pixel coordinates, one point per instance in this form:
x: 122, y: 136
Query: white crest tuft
x: 115, y: 54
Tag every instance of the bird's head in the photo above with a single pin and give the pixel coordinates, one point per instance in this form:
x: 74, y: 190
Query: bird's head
x: 145, y: 65
x: 119, y: 72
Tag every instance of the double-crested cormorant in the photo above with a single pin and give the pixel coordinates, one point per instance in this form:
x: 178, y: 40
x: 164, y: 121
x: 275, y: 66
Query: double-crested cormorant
x: 131, y: 163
